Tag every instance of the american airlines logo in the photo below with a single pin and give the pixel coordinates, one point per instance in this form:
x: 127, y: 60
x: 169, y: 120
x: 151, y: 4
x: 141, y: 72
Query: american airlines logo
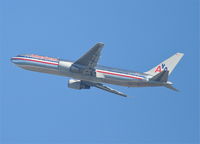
x: 160, y: 68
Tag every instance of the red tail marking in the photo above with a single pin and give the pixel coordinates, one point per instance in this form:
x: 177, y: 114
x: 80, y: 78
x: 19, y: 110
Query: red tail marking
x: 158, y: 69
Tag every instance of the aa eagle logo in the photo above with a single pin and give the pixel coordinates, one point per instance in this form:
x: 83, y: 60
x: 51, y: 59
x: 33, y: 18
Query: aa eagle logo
x: 161, y: 68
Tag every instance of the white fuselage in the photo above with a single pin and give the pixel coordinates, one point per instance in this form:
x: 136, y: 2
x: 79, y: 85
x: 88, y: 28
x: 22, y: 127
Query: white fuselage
x: 102, y: 74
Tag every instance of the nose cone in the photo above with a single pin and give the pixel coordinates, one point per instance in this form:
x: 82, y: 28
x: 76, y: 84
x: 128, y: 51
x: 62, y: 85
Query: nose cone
x: 12, y: 60
x: 15, y: 59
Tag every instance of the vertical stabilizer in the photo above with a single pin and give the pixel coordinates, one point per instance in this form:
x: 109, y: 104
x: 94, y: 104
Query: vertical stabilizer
x: 167, y: 65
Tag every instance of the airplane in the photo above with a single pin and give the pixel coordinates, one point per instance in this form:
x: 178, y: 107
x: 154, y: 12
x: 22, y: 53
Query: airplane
x: 86, y: 73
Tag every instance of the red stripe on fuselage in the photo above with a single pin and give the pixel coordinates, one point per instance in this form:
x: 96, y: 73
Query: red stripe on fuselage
x: 117, y: 74
x: 36, y: 61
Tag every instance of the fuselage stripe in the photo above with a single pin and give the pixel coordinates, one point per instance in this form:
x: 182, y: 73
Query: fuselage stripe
x: 34, y: 60
x: 117, y: 74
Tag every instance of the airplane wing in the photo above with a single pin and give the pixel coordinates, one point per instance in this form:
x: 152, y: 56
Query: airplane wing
x: 106, y: 88
x: 103, y: 87
x: 89, y: 60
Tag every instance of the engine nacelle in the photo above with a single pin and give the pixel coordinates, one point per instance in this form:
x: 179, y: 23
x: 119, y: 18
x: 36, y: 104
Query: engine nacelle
x: 77, y: 84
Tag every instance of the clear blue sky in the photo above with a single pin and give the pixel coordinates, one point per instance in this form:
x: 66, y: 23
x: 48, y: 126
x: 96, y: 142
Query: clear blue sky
x: 38, y: 108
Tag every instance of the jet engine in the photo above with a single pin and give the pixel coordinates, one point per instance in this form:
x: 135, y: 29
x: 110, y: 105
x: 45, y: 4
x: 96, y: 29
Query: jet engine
x: 77, y: 84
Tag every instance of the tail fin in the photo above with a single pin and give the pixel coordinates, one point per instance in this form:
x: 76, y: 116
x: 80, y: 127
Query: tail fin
x: 167, y: 65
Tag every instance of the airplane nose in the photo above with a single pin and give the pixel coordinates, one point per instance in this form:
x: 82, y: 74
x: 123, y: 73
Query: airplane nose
x: 13, y: 60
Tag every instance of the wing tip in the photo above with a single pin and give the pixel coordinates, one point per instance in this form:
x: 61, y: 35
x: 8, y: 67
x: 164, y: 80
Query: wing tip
x: 101, y: 44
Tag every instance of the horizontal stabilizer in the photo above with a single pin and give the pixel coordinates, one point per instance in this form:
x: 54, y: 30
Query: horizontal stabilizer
x: 171, y: 87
